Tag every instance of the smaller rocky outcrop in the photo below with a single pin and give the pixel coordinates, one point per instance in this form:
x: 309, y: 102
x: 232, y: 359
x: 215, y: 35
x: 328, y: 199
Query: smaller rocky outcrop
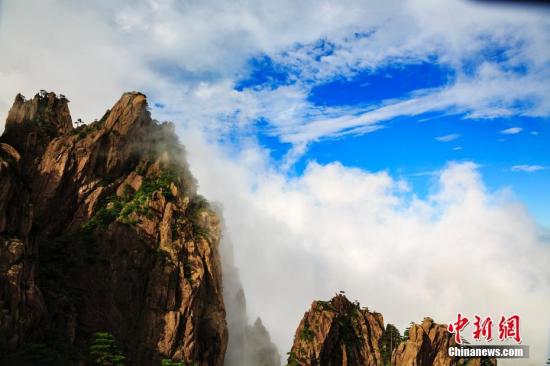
x: 337, y: 332
x: 32, y: 124
x: 428, y: 344
x: 341, y: 333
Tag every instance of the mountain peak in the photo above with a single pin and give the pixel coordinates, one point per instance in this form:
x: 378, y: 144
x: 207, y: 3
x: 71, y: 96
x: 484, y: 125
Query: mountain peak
x: 32, y: 124
x: 102, y: 232
x: 46, y: 108
x: 130, y: 111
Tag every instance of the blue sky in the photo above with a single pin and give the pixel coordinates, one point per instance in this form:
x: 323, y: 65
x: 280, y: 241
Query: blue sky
x: 512, y: 151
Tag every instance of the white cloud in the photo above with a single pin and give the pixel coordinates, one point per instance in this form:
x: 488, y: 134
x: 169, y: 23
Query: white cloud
x: 511, y: 131
x: 448, y: 138
x: 462, y: 248
x: 527, y: 168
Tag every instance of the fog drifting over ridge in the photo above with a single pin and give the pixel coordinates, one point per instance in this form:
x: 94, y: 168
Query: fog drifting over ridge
x: 463, y: 248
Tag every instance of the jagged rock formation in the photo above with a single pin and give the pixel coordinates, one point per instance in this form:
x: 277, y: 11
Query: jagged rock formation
x: 428, y: 344
x: 101, y: 229
x: 337, y: 332
x: 248, y: 345
x: 341, y: 333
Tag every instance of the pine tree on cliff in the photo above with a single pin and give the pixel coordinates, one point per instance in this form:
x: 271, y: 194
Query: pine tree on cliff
x: 105, y: 351
x: 389, y: 341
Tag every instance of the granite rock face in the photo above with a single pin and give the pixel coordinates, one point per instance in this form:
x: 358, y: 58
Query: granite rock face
x: 101, y: 229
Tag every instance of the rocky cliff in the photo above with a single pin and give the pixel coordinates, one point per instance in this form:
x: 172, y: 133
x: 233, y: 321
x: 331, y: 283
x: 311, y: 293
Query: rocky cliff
x: 341, y: 333
x: 101, y: 230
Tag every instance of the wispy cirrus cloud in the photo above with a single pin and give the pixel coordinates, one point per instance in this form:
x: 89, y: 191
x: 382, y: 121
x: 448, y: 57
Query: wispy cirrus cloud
x: 486, y: 95
x: 511, y: 131
x: 527, y: 168
x: 448, y: 138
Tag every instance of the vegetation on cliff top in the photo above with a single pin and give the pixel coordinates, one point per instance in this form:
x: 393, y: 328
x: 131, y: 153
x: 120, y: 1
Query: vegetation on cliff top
x: 121, y: 208
x: 82, y: 130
